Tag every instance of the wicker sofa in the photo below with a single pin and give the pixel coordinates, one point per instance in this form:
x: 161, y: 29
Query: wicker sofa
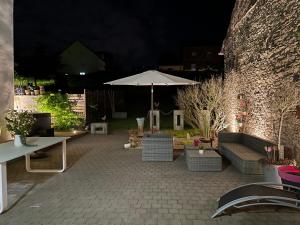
x: 244, y: 151
x: 157, y: 147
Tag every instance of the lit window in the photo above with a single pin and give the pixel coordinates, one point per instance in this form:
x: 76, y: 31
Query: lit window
x: 82, y: 73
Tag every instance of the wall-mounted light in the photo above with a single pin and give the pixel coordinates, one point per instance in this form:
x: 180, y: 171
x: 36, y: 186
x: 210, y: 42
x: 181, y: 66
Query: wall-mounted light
x: 82, y: 73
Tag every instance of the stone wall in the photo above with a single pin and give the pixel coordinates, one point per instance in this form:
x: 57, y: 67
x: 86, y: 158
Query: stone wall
x: 261, y: 51
x: 6, y: 62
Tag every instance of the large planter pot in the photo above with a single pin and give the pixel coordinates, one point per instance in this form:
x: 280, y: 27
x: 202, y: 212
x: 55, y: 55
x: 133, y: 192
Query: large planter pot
x: 271, y: 174
x: 20, y: 91
x: 140, y: 122
x: 288, y: 175
x: 36, y: 92
x: 207, y: 141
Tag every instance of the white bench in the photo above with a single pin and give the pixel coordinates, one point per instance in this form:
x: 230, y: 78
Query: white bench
x: 9, y: 152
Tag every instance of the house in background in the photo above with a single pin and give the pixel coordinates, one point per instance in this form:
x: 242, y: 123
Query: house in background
x: 202, y: 58
x: 171, y: 67
x: 78, y: 59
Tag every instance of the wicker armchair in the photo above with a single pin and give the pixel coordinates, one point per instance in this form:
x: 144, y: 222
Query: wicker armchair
x: 157, y: 147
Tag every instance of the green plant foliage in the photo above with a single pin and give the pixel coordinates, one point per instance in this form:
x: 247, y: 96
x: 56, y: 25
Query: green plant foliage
x: 187, y: 142
x: 21, y: 81
x: 183, y: 133
x: 45, y: 82
x: 61, y: 111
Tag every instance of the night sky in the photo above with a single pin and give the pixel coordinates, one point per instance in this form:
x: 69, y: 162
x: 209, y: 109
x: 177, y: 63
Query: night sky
x: 138, y: 33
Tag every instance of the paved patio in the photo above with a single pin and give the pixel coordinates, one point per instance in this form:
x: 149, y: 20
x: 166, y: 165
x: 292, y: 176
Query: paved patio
x: 108, y: 185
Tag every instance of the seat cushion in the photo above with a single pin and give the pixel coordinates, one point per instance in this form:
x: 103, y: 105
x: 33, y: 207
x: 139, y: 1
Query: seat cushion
x: 243, y: 152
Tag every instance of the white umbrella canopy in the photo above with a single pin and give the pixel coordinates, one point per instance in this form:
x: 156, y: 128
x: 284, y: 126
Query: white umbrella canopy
x: 152, y: 78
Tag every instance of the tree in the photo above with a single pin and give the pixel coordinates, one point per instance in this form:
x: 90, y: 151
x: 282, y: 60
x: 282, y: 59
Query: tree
x: 204, y: 106
x: 286, y: 99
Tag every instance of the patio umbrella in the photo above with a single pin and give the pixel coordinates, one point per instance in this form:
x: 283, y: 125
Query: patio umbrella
x: 152, y: 78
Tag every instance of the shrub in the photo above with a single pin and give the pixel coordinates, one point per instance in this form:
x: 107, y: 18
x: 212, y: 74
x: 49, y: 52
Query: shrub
x: 44, y: 82
x: 21, y: 81
x: 204, y: 107
x: 61, y: 111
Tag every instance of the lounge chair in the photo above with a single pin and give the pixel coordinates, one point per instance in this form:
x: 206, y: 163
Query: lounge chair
x: 258, y: 194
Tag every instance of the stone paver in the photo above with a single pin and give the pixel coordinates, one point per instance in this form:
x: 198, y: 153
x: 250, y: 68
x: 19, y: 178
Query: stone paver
x: 108, y: 185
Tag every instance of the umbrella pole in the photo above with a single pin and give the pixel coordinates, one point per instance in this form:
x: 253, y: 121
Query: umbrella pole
x: 151, y: 113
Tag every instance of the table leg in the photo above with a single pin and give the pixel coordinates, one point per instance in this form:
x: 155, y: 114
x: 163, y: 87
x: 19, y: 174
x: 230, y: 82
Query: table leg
x: 64, y: 162
x: 64, y: 155
x: 3, y: 187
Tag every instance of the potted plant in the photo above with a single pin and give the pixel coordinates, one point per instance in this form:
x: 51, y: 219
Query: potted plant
x: 19, y: 124
x: 272, y: 163
x: 27, y: 92
x: 36, y: 91
x: 204, y: 108
x: 19, y: 83
x: 42, y: 83
x: 42, y: 90
x: 200, y: 145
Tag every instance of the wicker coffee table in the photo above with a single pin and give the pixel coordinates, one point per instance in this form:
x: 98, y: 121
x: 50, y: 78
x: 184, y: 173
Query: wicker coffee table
x: 208, y: 161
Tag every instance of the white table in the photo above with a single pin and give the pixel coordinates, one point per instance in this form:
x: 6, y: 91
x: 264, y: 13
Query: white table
x: 9, y: 152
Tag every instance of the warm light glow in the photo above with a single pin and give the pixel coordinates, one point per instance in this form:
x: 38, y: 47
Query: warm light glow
x: 258, y: 132
x: 231, y: 92
x: 7, y: 67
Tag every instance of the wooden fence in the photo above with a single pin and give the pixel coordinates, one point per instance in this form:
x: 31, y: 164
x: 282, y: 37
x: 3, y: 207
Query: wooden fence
x: 78, y: 104
x: 100, y: 103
